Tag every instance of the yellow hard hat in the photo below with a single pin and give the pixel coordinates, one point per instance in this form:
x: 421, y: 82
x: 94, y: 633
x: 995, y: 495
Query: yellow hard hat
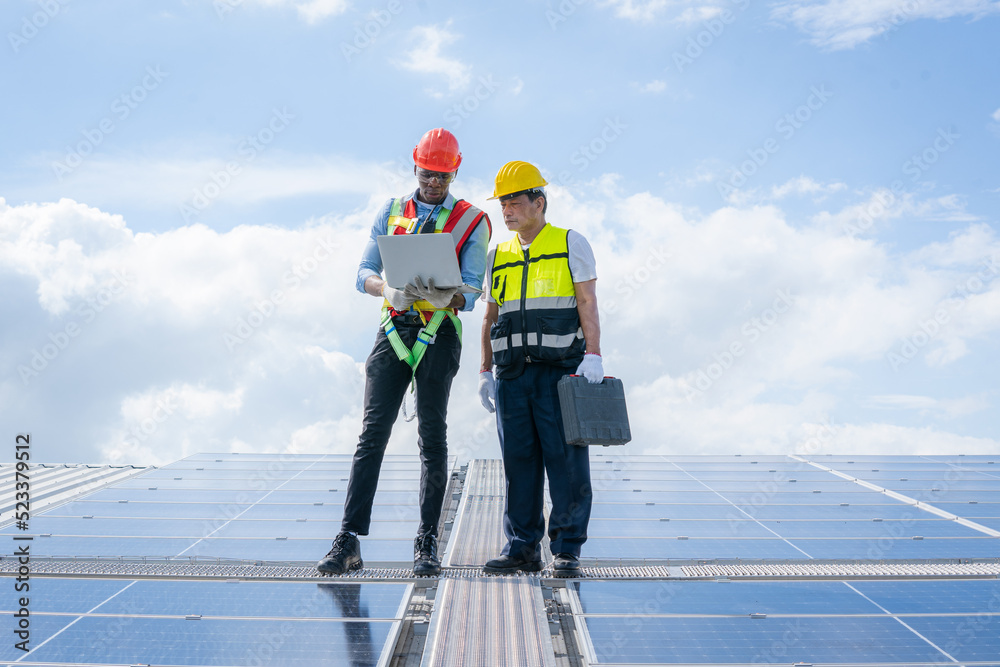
x: 517, y: 176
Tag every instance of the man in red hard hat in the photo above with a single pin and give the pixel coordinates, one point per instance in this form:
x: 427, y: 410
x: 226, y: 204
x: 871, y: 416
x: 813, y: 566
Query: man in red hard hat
x: 418, y: 343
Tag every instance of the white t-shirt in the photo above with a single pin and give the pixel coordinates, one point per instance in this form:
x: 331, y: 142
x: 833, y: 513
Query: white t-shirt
x: 582, y: 264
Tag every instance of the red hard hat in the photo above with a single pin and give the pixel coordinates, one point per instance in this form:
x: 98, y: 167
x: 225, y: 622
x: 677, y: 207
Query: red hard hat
x: 438, y: 151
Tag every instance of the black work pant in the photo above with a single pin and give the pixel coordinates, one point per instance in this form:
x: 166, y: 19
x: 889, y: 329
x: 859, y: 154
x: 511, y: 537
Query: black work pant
x: 529, y: 422
x: 387, y: 379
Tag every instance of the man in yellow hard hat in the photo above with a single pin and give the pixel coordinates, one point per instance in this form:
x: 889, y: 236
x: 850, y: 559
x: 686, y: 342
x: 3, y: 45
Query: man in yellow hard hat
x: 541, y: 324
x: 419, y: 343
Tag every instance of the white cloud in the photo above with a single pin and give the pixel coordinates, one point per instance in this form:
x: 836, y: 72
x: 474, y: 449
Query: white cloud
x: 996, y: 115
x: 517, y: 86
x: 705, y: 172
x: 316, y: 10
x: 926, y: 404
x: 642, y: 11
x: 694, y: 11
x: 426, y: 58
x: 656, y: 86
x: 153, y: 419
x: 893, y: 439
x: 168, y: 181
x: 800, y: 186
x: 803, y: 185
x: 844, y: 24
x: 257, y: 338
x: 312, y: 11
x: 695, y: 15
x: 883, y: 205
x: 948, y: 208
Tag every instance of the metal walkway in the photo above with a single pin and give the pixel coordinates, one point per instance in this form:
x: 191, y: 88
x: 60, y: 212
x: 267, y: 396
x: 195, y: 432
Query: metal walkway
x: 489, y: 622
x: 478, y: 534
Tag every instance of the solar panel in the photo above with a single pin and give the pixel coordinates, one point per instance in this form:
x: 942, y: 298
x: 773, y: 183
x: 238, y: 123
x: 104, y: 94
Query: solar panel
x: 746, y: 641
x: 773, y: 507
x: 704, y: 560
x: 847, y: 509
x: 235, y: 507
x: 91, y: 621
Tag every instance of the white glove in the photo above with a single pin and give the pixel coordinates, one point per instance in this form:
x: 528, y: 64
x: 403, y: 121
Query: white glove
x: 591, y: 368
x: 399, y: 299
x: 487, y: 390
x: 439, y: 298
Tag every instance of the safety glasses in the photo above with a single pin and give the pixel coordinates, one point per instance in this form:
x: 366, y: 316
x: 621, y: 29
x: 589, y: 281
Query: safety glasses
x: 428, y: 175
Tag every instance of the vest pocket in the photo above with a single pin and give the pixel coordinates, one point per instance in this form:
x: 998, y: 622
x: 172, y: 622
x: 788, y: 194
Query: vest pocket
x: 500, y: 340
x: 559, y: 337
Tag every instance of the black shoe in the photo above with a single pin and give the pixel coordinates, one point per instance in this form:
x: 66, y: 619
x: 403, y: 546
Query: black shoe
x: 565, y: 565
x: 343, y: 557
x: 425, y: 560
x: 509, y: 564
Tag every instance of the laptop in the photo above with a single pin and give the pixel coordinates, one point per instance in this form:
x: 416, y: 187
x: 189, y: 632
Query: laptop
x: 406, y: 256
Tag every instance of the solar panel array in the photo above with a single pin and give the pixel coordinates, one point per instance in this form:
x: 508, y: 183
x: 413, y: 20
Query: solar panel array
x: 778, y: 507
x: 879, y: 510
x: 220, y: 508
x: 121, y: 622
x: 696, y: 560
x: 674, y: 622
x: 234, y: 507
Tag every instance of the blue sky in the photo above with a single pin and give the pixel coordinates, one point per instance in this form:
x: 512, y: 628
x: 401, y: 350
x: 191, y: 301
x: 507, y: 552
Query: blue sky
x: 815, y: 183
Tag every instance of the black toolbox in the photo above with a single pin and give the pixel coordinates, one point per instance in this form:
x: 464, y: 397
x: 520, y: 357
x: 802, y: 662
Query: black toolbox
x: 593, y: 414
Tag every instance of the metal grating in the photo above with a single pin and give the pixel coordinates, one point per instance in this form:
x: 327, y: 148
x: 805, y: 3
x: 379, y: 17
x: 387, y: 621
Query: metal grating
x: 489, y: 622
x: 194, y: 569
x: 478, y: 534
x: 149, y: 568
x: 845, y: 570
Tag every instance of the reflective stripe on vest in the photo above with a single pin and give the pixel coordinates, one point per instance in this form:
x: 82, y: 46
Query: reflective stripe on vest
x: 537, y: 315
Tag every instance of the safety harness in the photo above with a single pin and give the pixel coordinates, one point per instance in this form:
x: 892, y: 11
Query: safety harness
x: 403, y: 220
x: 397, y: 219
x: 425, y: 337
x: 428, y: 332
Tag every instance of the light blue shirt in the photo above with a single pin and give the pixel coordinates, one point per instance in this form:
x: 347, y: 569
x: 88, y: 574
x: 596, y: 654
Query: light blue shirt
x: 471, y: 259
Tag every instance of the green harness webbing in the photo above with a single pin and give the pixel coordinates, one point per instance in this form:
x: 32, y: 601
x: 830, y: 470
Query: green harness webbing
x: 424, y: 338
x: 396, y: 211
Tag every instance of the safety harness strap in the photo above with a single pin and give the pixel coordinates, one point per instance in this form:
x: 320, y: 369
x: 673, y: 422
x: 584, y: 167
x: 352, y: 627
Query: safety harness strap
x: 424, y: 338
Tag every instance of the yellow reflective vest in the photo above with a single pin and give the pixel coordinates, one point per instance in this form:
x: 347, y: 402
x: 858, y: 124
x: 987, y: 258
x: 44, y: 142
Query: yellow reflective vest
x: 538, y: 321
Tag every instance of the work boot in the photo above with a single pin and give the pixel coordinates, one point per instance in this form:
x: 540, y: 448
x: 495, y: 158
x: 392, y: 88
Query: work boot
x: 425, y: 560
x: 510, y: 565
x: 565, y: 565
x: 343, y: 557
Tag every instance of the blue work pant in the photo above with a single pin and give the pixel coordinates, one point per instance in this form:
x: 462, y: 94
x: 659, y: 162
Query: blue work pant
x: 529, y: 422
x: 387, y: 379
